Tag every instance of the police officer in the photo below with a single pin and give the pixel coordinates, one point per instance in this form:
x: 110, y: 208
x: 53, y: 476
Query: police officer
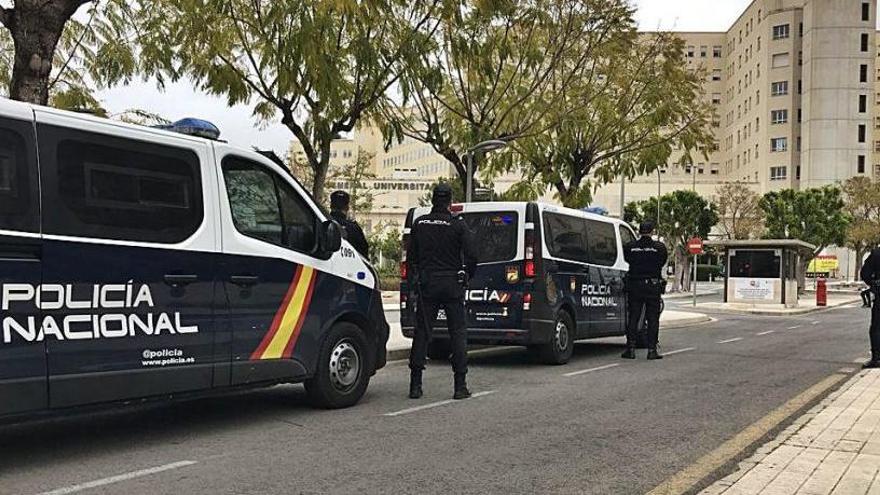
x: 340, y: 202
x: 871, y: 275
x: 440, y: 259
x: 645, y: 286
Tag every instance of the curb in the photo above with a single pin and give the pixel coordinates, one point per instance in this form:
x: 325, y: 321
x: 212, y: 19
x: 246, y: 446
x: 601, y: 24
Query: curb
x: 790, y: 312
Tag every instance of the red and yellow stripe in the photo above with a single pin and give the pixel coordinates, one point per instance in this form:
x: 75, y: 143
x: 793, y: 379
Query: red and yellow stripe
x: 282, y: 335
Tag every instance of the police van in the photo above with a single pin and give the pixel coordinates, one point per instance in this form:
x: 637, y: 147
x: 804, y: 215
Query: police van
x: 142, y: 263
x: 546, y: 276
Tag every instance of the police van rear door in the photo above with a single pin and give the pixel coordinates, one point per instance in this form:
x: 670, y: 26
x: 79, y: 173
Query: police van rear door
x: 494, y: 296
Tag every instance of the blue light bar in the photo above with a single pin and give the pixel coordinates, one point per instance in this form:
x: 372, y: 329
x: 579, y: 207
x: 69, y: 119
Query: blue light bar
x: 193, y: 127
x: 598, y: 210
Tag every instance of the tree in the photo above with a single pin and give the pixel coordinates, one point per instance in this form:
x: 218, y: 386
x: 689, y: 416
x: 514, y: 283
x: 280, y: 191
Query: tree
x: 56, y: 59
x: 862, y: 204
x: 816, y: 216
x: 683, y: 214
x: 320, y: 65
x: 455, y: 185
x: 496, y: 71
x: 354, y: 178
x: 626, y: 113
x: 739, y: 210
x: 385, y: 249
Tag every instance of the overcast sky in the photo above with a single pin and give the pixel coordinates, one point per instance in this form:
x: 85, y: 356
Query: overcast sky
x: 238, y: 127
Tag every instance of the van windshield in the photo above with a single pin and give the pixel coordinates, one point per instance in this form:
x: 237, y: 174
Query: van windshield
x: 494, y: 234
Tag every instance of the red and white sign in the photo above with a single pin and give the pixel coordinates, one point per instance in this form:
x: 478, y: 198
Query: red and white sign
x: 695, y: 245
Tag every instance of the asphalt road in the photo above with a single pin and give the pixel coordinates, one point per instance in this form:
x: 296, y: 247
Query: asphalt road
x: 619, y: 427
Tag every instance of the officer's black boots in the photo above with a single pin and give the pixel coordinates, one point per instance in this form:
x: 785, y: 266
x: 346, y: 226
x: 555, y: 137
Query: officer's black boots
x: 415, y: 384
x: 874, y: 362
x: 653, y: 354
x: 461, y: 390
x: 630, y: 352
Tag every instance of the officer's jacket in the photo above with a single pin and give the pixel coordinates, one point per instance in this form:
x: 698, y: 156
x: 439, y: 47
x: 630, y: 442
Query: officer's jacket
x: 871, y: 269
x: 440, y: 243
x: 646, y: 258
x: 353, y: 232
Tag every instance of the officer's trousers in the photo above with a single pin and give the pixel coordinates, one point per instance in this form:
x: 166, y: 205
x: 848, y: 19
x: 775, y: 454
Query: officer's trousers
x: 649, y: 302
x: 875, y: 326
x: 426, y: 318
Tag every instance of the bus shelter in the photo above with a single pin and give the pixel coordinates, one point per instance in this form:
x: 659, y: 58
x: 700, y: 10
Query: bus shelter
x: 762, y: 271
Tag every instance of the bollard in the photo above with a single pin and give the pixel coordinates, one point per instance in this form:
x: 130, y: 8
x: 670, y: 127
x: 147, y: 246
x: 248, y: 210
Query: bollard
x: 821, y: 292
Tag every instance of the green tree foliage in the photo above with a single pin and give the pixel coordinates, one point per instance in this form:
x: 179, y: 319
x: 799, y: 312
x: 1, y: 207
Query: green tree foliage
x: 683, y: 214
x: 454, y: 184
x: 385, y: 249
x: 862, y: 199
x: 625, y: 114
x: 355, y: 177
x: 319, y: 65
x: 816, y: 216
x: 497, y: 70
x: 739, y: 210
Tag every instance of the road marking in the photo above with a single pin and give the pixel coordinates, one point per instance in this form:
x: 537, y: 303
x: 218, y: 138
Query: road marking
x: 846, y: 370
x: 118, y: 478
x: 766, y: 333
x: 678, y: 351
x: 581, y: 372
x: 794, y: 327
x: 737, y: 339
x: 814, y: 322
x: 860, y: 360
x: 687, y: 478
x: 435, y: 404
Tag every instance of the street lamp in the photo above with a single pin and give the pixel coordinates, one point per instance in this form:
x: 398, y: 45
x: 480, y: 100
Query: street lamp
x: 484, y: 147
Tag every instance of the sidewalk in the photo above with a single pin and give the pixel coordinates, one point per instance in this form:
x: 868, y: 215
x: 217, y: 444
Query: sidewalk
x: 805, y: 305
x: 834, y: 449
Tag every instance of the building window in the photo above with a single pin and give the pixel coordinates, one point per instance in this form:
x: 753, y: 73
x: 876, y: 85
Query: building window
x: 863, y: 103
x: 690, y: 52
x: 779, y: 88
x: 864, y: 42
x: 778, y: 116
x: 861, y: 164
x: 716, y: 51
x: 866, y: 11
x: 798, y: 172
x: 800, y: 86
x: 780, y: 60
x: 778, y: 173
x: 799, y: 115
x: 758, y: 97
x: 801, y: 29
x: 862, y: 133
x: 716, y: 98
x: 863, y: 73
x: 779, y: 144
x: 716, y: 74
x: 759, y: 43
x: 780, y: 32
x: 704, y: 51
x: 757, y: 123
x: 877, y: 146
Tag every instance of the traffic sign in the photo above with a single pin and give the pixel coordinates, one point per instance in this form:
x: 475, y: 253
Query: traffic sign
x: 695, y: 245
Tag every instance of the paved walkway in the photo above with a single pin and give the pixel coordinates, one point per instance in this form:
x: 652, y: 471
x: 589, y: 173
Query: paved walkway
x: 834, y: 449
x: 807, y: 304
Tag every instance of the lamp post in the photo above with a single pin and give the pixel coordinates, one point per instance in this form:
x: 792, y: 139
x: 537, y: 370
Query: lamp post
x: 485, y: 146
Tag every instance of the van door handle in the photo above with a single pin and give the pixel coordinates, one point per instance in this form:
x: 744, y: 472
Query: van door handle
x: 244, y: 280
x: 180, y: 280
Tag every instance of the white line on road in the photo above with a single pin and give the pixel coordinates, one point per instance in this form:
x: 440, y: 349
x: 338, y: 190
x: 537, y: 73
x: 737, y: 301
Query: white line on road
x: 118, y: 478
x: 846, y: 371
x: 435, y: 404
x: 581, y: 372
x: 814, y: 322
x: 679, y: 351
x: 794, y: 327
x: 730, y: 340
x: 766, y: 333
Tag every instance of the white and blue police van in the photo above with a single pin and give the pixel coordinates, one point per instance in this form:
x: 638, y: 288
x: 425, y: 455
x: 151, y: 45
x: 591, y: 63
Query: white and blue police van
x: 546, y: 276
x: 141, y: 263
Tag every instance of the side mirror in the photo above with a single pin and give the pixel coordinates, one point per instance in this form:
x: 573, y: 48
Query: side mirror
x: 330, y: 239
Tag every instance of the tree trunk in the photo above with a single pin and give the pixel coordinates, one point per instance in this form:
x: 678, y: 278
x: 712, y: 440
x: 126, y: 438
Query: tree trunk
x: 859, y: 261
x: 320, y: 183
x: 802, y: 275
x: 681, y: 282
x: 36, y: 27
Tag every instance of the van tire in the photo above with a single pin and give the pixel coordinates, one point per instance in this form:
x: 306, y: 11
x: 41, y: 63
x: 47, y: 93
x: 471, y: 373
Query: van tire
x: 561, y: 345
x: 343, y: 370
x: 439, y: 349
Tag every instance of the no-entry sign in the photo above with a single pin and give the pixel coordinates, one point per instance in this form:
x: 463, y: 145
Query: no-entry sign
x: 695, y: 245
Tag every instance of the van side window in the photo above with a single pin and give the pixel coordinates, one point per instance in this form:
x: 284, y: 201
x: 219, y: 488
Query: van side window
x: 566, y: 237
x: 626, y: 235
x: 602, y: 243
x: 19, y: 190
x: 266, y: 207
x: 107, y: 187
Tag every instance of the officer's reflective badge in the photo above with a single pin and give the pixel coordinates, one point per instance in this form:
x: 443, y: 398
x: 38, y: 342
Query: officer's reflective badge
x: 573, y: 284
x: 512, y: 274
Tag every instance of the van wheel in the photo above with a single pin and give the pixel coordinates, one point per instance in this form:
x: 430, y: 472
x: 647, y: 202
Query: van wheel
x: 342, y: 375
x: 561, y: 345
x: 439, y: 350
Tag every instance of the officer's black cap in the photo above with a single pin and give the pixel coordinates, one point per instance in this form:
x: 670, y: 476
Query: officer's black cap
x: 442, y: 195
x: 339, y: 200
x: 646, y: 228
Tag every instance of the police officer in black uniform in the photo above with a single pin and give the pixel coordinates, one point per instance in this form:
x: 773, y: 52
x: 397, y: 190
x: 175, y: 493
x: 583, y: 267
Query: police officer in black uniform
x: 645, y: 286
x: 871, y: 275
x: 440, y: 260
x: 340, y: 201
